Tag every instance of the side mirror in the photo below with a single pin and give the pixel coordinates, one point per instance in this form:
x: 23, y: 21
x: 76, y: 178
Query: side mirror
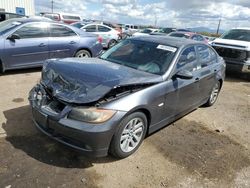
x: 184, y: 74
x: 13, y: 37
x: 84, y: 30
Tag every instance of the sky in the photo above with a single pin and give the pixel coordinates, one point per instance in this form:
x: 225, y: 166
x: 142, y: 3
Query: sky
x: 162, y: 13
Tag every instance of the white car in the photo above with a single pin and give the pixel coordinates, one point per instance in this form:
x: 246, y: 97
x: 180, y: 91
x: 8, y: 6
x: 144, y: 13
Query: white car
x: 143, y: 32
x: 234, y: 47
x: 109, y: 35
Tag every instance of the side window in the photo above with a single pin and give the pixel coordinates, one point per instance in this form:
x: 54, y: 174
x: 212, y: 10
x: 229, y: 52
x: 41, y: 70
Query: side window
x: 90, y: 28
x: 213, y: 56
x: 200, y: 38
x: 195, y: 37
x: 204, y: 54
x: 61, y: 31
x: 103, y: 28
x: 188, y: 60
x: 32, y: 31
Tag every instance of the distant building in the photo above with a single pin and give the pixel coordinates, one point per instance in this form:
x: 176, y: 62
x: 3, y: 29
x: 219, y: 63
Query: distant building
x: 23, y: 7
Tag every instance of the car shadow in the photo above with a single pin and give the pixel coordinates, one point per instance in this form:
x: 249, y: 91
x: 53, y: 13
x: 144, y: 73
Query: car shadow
x: 233, y: 76
x: 23, y: 135
x: 21, y: 71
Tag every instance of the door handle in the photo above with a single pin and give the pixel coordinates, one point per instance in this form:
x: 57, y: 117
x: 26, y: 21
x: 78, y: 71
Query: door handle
x: 197, y: 79
x: 72, y: 42
x: 42, y: 45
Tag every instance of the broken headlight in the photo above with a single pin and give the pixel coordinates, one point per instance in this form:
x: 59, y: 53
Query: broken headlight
x: 91, y: 115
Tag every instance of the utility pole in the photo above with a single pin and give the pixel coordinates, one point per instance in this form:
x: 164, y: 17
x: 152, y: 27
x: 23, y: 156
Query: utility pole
x: 52, y: 6
x: 155, y: 20
x: 218, y: 28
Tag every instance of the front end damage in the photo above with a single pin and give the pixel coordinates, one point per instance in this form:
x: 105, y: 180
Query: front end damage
x: 59, y: 95
x: 51, y: 116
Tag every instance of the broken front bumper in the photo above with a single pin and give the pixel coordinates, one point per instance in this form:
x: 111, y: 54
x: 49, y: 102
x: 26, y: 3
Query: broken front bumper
x: 91, y: 139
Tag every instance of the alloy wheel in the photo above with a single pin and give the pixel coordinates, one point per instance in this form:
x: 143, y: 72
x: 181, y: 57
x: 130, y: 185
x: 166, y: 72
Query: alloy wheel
x: 132, y: 134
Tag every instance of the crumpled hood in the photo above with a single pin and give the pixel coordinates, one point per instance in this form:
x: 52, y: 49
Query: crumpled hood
x: 87, y: 80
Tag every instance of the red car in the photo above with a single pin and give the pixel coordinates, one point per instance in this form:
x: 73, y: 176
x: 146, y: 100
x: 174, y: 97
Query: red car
x: 188, y: 35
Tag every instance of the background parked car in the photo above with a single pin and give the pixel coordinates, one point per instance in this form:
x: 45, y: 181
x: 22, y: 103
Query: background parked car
x: 62, y: 17
x: 130, y: 29
x: 79, y: 24
x: 109, y: 35
x: 27, y: 42
x: 164, y: 31
x: 188, y: 35
x: 234, y: 47
x: 146, y: 31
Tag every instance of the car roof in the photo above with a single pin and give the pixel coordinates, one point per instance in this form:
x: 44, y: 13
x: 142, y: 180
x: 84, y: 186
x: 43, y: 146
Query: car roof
x: 167, y: 40
x: 185, y: 32
x: 31, y: 19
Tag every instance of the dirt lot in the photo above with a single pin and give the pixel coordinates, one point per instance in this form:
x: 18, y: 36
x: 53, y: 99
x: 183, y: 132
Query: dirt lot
x: 208, y: 148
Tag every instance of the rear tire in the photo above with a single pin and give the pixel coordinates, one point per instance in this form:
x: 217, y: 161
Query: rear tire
x: 214, y: 94
x: 129, y: 135
x: 112, y: 43
x: 82, y: 54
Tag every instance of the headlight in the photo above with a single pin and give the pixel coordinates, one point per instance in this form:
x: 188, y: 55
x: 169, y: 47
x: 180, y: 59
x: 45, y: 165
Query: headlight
x: 91, y: 115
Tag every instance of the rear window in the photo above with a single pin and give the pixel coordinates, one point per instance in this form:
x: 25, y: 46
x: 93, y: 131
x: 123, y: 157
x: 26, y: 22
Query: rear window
x: 237, y: 34
x: 180, y: 35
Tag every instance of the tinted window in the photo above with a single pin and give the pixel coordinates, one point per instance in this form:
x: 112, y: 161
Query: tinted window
x: 61, y: 31
x: 188, y: 60
x: 90, y: 28
x: 200, y: 38
x: 103, y: 28
x: 37, y: 30
x: 142, y: 55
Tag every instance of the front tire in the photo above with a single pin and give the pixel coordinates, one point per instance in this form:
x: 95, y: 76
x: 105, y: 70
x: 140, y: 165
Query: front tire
x: 82, y: 54
x: 129, y: 136
x: 214, y: 94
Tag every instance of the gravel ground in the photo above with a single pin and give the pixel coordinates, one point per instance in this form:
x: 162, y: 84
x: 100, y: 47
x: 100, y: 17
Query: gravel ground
x: 210, y: 147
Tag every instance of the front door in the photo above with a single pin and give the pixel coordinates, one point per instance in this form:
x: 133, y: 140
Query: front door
x: 187, y: 90
x: 31, y: 49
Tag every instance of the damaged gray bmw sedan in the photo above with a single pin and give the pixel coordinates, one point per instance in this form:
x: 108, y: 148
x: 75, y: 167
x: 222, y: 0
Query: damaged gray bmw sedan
x: 109, y: 104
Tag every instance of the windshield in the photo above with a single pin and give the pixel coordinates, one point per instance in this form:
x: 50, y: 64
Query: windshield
x: 7, y: 25
x: 141, y: 55
x: 237, y: 34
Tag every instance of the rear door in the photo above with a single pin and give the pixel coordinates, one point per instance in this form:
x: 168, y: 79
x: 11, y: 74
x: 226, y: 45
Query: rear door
x: 207, y: 70
x: 63, y: 41
x: 31, y: 49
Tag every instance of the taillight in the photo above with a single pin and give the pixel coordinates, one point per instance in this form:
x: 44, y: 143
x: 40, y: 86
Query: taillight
x: 99, y: 38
